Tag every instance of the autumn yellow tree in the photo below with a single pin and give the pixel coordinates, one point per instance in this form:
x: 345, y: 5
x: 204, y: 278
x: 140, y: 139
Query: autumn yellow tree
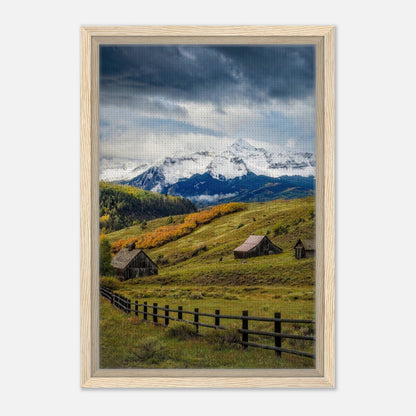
x: 165, y: 234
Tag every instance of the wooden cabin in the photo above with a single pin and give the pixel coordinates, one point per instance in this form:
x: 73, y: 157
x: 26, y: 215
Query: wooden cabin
x: 256, y: 245
x: 304, y: 249
x: 131, y: 262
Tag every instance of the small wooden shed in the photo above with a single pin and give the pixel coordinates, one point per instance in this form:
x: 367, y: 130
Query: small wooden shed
x: 304, y: 249
x: 256, y: 245
x: 131, y: 262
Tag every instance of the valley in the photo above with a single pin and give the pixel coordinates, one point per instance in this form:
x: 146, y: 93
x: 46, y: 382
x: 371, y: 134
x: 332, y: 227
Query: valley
x: 199, y: 270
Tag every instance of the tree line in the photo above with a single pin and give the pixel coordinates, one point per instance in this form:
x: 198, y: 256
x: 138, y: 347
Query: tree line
x: 122, y: 206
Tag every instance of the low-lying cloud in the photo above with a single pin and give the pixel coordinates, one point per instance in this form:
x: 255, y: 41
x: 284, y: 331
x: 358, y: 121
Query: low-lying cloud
x: 208, y: 199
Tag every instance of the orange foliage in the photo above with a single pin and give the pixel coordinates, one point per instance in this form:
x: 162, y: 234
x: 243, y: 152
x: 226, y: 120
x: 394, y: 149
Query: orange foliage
x: 118, y: 245
x: 165, y: 234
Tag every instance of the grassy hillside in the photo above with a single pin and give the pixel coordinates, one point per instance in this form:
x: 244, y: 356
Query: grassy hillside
x: 122, y: 206
x: 195, y: 258
x: 199, y: 271
x: 127, y: 342
x: 174, y: 231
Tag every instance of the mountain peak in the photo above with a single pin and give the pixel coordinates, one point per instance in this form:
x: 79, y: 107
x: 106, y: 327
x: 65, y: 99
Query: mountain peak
x: 241, y: 144
x: 236, y: 161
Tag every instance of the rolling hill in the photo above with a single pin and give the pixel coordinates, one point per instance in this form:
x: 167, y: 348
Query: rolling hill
x: 205, y: 256
x: 198, y: 270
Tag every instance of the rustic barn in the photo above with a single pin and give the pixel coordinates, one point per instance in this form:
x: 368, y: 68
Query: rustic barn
x: 256, y: 245
x: 304, y: 249
x: 131, y: 262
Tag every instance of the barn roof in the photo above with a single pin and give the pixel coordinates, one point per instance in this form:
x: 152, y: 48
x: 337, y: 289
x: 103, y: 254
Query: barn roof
x: 125, y: 256
x: 122, y: 259
x: 307, y: 244
x: 251, y: 242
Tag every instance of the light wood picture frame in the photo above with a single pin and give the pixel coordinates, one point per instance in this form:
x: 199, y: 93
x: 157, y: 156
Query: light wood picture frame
x: 324, y: 374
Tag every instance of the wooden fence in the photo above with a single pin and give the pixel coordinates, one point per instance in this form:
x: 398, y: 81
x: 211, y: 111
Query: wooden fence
x: 150, y: 314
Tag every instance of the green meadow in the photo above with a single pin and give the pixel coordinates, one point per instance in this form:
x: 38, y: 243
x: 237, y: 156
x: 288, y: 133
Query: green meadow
x: 199, y: 271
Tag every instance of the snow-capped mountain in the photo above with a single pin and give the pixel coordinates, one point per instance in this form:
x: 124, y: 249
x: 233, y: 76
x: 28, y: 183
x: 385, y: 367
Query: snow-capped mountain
x: 116, y: 169
x: 207, y: 176
x: 236, y: 161
x: 261, y: 162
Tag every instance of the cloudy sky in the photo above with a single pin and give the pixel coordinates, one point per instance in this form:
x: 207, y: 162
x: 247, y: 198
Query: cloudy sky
x: 157, y: 101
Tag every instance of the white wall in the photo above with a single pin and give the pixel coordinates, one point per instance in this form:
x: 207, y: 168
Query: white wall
x: 39, y: 162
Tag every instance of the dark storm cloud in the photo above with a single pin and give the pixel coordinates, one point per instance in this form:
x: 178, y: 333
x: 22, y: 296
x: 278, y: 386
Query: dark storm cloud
x: 189, y: 73
x: 156, y: 99
x: 281, y: 72
x: 130, y: 75
x: 123, y: 97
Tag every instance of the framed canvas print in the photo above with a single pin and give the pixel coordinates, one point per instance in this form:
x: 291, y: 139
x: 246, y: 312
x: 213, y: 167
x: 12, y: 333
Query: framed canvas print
x: 207, y: 232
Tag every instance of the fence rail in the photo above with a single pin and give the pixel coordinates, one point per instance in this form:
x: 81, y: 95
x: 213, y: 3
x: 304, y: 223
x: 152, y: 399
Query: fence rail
x: 151, y: 311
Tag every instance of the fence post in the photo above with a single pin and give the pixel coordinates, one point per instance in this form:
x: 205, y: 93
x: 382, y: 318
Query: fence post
x: 136, y: 307
x: 196, y: 319
x: 144, y: 311
x: 245, y: 327
x: 155, y: 313
x: 180, y: 312
x: 278, y: 329
x: 217, y: 318
x: 128, y: 306
x: 166, y: 315
x: 112, y: 298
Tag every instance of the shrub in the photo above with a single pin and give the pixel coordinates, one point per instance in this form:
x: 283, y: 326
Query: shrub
x: 198, y: 250
x: 161, y: 260
x: 135, y: 281
x: 144, y: 295
x: 151, y: 350
x: 196, y: 296
x: 182, y: 331
x: 230, y: 297
x: 223, y: 338
x: 110, y: 283
x: 280, y: 229
x: 307, y: 330
x: 299, y: 344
